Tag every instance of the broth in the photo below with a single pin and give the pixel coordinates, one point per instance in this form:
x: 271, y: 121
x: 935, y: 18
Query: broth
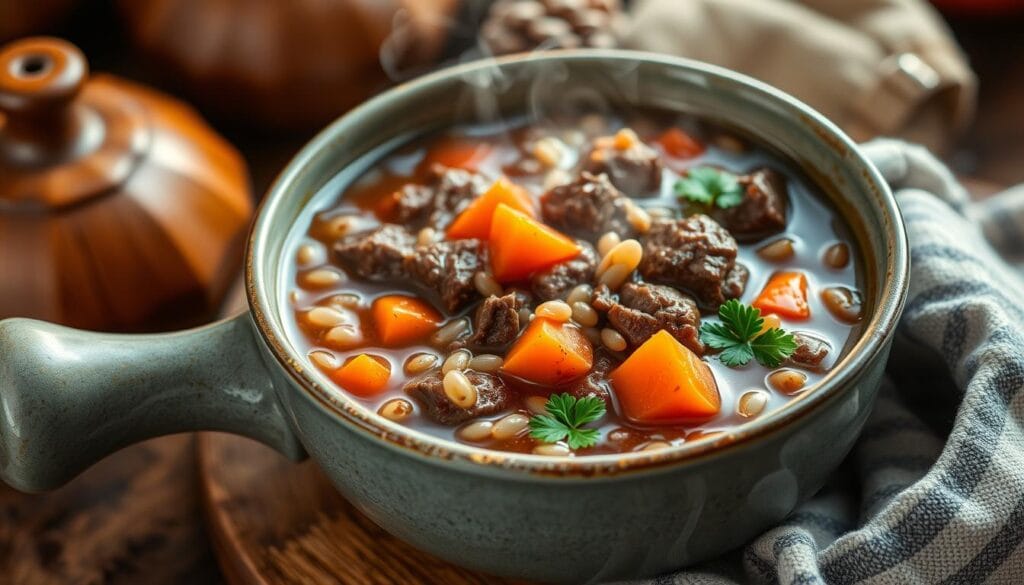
x: 812, y: 226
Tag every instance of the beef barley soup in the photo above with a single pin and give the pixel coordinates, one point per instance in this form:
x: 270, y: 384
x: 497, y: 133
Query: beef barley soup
x: 599, y: 285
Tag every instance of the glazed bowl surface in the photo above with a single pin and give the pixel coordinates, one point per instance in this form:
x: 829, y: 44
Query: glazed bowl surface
x: 538, y: 87
x: 554, y: 519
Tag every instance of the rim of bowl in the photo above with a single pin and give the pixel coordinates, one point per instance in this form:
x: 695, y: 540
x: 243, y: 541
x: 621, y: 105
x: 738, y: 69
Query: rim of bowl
x: 872, y: 339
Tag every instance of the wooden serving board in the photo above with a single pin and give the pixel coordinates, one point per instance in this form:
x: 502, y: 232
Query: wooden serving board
x: 275, y: 522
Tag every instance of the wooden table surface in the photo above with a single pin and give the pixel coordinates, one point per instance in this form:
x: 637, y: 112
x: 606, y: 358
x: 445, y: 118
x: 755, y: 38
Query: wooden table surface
x: 135, y: 517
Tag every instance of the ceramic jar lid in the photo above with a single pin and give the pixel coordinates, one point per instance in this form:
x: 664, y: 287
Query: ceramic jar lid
x: 59, y: 147
x: 119, y: 206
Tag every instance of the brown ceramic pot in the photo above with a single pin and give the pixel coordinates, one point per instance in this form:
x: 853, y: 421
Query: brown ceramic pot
x: 286, y: 63
x: 23, y: 17
x: 119, y: 208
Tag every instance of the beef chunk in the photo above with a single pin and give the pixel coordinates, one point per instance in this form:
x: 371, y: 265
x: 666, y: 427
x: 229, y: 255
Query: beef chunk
x: 435, y: 204
x: 379, y: 254
x: 695, y: 254
x: 763, y: 210
x: 735, y: 282
x: 603, y: 298
x: 587, y: 208
x: 428, y: 389
x: 636, y: 326
x: 409, y: 204
x: 557, y: 281
x: 645, y: 309
x: 631, y: 165
x: 810, y: 351
x: 496, y: 323
x: 595, y: 383
x: 448, y: 268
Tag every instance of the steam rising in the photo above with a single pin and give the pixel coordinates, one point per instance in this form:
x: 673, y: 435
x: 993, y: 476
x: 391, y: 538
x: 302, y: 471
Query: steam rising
x: 552, y: 95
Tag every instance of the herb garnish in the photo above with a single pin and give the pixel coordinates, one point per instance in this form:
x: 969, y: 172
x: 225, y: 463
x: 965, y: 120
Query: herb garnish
x: 710, y: 186
x: 739, y: 336
x: 566, y: 414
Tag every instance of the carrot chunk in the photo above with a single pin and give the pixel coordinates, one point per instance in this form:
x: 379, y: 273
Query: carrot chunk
x: 521, y: 245
x: 679, y: 144
x: 475, y: 221
x: 363, y: 375
x: 549, y: 353
x: 785, y: 295
x: 401, y: 320
x: 663, y: 381
x: 456, y: 153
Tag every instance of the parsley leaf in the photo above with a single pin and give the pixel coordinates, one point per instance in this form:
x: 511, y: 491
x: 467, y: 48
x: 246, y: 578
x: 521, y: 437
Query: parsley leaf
x: 740, y: 338
x: 566, y: 415
x: 708, y: 185
x: 772, y: 347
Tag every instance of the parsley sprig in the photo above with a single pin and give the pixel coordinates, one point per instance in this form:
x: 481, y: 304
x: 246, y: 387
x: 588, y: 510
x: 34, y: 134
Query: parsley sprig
x: 566, y: 415
x: 710, y: 186
x: 740, y: 338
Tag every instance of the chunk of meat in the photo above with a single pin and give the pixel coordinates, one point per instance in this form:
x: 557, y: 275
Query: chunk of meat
x: 763, y: 209
x: 448, y: 267
x: 587, y: 208
x: 408, y: 204
x: 493, y: 396
x: 735, y: 282
x: 694, y: 254
x: 557, y: 281
x: 645, y: 309
x: 630, y: 165
x: 496, y: 322
x: 810, y: 351
x: 595, y: 383
x: 379, y: 254
x: 436, y: 203
x: 603, y: 298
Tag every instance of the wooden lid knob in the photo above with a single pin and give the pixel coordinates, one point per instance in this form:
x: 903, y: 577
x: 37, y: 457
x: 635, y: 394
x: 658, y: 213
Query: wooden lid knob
x: 64, y: 137
x: 39, y: 81
x: 39, y: 74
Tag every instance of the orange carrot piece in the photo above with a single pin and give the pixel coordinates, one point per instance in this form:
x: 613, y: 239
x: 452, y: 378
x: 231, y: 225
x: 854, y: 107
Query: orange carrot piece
x: 521, y: 245
x: 456, y: 153
x: 663, y: 381
x: 549, y: 353
x: 475, y: 221
x: 625, y: 139
x: 363, y: 375
x: 401, y: 320
x: 785, y: 295
x: 679, y: 144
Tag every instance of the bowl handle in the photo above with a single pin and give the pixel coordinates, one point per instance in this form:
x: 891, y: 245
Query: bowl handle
x: 68, y: 398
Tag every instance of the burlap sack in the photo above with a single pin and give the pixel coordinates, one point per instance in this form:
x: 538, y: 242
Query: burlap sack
x: 875, y: 67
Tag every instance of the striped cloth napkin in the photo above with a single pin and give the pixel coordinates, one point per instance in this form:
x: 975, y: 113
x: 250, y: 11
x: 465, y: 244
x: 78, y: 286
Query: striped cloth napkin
x: 933, y: 491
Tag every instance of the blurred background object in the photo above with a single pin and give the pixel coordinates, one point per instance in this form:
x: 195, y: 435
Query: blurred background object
x: 981, y: 7
x: 25, y: 17
x: 136, y: 518
x: 514, y: 26
x: 874, y: 67
x: 120, y: 209
x: 286, y: 64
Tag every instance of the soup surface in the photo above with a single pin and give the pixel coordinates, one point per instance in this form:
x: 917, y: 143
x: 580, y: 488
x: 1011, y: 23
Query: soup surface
x: 596, y: 285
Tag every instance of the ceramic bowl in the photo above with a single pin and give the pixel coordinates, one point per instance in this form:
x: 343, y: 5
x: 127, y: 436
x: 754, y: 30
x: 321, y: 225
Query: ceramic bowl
x: 71, y: 397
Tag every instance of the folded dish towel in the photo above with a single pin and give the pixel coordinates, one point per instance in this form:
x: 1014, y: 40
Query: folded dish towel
x: 933, y: 491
